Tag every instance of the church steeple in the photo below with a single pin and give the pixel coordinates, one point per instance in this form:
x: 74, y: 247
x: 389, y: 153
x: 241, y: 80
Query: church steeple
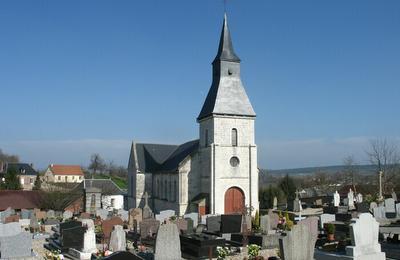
x: 226, y: 95
x: 225, y: 48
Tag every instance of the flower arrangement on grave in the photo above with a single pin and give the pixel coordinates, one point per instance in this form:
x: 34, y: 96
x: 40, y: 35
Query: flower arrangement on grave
x: 172, y: 218
x: 284, y: 222
x: 253, y: 251
x: 54, y: 255
x: 222, y: 252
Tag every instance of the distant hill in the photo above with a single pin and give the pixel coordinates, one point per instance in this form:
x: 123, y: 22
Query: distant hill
x: 362, y: 169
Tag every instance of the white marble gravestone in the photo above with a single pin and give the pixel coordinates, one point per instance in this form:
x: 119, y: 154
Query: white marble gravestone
x: 364, y: 233
x: 359, y: 198
x: 118, y: 239
x: 326, y: 218
x: 390, y: 205
x: 350, y: 197
x: 336, y: 199
x: 275, y: 203
x: 394, y: 195
x: 379, y: 212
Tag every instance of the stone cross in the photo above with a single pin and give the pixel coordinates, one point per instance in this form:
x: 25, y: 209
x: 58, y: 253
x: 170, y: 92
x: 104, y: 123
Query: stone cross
x: 350, y: 197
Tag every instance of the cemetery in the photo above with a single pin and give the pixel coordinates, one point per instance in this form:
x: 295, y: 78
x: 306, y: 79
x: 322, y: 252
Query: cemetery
x: 345, y: 228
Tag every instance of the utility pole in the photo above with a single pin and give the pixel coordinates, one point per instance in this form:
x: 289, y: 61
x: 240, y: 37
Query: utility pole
x: 380, y: 185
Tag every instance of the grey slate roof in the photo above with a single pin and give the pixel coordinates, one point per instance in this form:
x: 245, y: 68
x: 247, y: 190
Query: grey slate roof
x: 225, y: 48
x: 106, y: 186
x: 153, y: 158
x: 227, y: 95
x: 22, y: 168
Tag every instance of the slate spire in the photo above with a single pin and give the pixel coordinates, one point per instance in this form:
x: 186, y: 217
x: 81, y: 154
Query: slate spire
x: 225, y: 48
x: 227, y: 95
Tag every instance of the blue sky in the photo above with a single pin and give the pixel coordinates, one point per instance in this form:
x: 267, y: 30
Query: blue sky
x: 78, y: 77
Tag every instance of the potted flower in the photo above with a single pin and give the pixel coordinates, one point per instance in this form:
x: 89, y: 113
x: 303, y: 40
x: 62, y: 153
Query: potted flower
x: 253, y: 251
x: 330, y: 230
x: 222, y: 252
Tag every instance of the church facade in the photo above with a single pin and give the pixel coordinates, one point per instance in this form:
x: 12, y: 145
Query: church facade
x: 214, y: 174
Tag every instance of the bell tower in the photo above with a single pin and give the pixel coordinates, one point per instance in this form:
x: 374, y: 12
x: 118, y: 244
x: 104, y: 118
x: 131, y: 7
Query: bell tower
x: 227, y: 145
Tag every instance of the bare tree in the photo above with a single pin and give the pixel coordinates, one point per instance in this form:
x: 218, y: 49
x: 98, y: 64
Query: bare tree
x: 8, y: 157
x: 97, y: 164
x: 350, y: 171
x: 384, y: 154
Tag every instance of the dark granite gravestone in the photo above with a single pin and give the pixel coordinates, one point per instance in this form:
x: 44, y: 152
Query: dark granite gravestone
x: 199, y: 245
x: 190, y: 229
x: 362, y: 207
x: 231, y: 223
x: 343, y: 217
x: 342, y: 209
x: 213, y: 223
x: 72, y: 238
x: 68, y: 225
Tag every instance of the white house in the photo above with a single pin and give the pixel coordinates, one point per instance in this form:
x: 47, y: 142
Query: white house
x: 64, y: 173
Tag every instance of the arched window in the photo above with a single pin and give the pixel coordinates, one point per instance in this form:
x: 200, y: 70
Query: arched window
x: 234, y: 137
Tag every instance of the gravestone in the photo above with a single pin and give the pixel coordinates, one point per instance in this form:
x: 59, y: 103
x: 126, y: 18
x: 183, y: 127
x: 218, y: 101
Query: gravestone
x: 350, y: 198
x: 89, y: 238
x: 182, y: 225
x: 379, y: 212
x: 213, y: 223
x: 67, y: 214
x: 41, y: 215
x: 342, y: 209
x: 89, y: 223
x: 274, y: 219
x: 16, y: 246
x: 108, y: 225
x: 51, y: 214
x: 275, y: 203
x: 12, y: 218
x: 5, y: 214
x: 194, y: 216
x: 298, y: 244
x: 118, y: 239
x: 246, y: 223
x: 265, y: 224
x: 72, y: 237
x: 147, y: 212
x: 9, y: 229
x: 312, y: 224
x: 135, y: 217
x: 34, y: 225
x: 362, y: 207
x: 123, y: 214
x: 390, y: 208
x: 372, y: 206
x: 165, y: 215
x: 25, y: 214
x: 149, y: 227
x: 336, y: 199
x: 364, y: 233
x: 102, y: 213
x: 190, y: 226
x: 359, y: 198
x: 398, y: 209
x: 394, y: 195
x: 167, y: 239
x: 326, y: 218
x: 231, y: 223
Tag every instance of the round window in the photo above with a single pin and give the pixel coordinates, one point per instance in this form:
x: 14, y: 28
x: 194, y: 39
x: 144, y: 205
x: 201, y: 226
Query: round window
x: 234, y: 161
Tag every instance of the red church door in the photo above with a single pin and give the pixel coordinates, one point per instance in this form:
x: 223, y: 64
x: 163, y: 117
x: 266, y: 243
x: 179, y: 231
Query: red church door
x: 234, y: 200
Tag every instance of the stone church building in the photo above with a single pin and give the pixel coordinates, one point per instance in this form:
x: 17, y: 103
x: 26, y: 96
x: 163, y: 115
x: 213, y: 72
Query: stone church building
x: 215, y: 174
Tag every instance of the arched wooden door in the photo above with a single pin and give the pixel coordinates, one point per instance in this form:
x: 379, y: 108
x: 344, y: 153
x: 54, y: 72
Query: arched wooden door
x: 234, y: 200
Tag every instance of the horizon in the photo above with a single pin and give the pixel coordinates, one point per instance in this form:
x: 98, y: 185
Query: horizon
x: 91, y: 77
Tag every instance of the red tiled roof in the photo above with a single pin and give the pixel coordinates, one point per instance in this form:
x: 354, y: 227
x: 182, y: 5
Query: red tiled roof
x: 58, y: 169
x: 19, y: 199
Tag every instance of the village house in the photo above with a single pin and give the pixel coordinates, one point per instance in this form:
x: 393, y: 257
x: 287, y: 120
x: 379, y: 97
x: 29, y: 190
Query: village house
x: 64, y: 174
x: 25, y: 172
x: 101, y: 194
x: 215, y: 174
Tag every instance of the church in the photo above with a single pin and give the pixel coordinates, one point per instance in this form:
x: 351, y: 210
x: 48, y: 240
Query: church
x: 214, y: 174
